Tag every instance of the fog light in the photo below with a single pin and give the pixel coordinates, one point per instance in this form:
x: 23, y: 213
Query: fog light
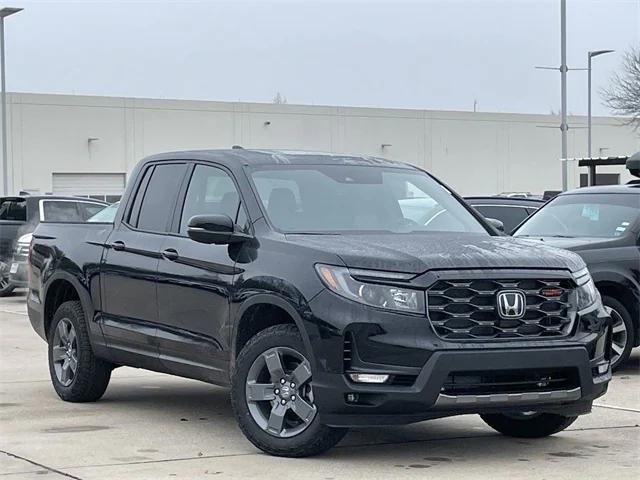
x: 351, y: 397
x: 368, y: 377
x: 603, y: 368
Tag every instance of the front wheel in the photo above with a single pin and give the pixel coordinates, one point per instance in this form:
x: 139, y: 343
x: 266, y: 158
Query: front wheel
x: 622, y: 331
x: 272, y: 396
x: 527, y: 424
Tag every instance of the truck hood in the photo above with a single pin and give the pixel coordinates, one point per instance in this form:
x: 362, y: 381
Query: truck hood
x: 419, y: 252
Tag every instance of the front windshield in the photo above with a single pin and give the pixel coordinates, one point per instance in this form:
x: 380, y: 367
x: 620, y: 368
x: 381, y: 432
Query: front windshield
x: 601, y: 215
x: 106, y: 215
x: 346, y: 198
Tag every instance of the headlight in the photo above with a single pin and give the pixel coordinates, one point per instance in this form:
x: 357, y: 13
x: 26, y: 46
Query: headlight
x: 26, y: 239
x: 339, y: 280
x: 586, y: 292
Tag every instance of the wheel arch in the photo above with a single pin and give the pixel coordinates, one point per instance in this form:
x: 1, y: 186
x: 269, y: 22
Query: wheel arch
x: 622, y: 289
x: 243, y: 327
x: 62, y: 287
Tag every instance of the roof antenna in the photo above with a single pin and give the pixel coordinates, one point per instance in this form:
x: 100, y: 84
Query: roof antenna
x: 237, y: 147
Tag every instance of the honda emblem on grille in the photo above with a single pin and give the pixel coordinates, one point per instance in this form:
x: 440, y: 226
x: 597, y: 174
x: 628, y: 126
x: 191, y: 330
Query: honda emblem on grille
x: 511, y: 304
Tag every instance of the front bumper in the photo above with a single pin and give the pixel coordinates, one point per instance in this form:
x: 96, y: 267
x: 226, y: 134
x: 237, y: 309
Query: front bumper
x: 18, y: 273
x: 347, y: 338
x: 378, y: 405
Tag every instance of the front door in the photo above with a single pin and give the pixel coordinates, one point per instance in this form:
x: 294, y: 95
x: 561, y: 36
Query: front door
x: 129, y: 269
x: 195, y: 281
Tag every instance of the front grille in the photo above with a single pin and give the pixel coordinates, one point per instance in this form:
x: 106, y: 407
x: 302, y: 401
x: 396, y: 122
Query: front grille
x: 468, y: 310
x: 510, y: 381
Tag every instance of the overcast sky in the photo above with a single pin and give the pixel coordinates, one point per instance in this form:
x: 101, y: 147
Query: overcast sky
x: 419, y: 54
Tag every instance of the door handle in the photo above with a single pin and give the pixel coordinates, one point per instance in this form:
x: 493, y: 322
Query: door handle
x: 170, y: 254
x: 118, y: 245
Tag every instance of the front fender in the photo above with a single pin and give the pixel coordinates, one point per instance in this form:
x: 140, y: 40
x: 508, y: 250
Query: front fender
x: 279, y: 293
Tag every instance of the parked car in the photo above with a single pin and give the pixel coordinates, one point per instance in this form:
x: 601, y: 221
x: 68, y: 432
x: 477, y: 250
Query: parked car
x: 511, y: 211
x: 602, y: 225
x: 19, y: 217
x: 295, y: 279
x: 106, y: 215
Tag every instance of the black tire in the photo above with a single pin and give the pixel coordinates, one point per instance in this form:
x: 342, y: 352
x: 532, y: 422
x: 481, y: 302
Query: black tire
x: 620, y: 313
x: 534, y: 426
x: 315, y: 439
x: 92, y: 374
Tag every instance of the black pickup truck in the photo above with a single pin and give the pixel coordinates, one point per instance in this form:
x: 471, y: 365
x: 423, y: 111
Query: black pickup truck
x: 301, y: 281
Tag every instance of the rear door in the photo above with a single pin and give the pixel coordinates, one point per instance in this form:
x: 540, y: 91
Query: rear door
x: 129, y: 268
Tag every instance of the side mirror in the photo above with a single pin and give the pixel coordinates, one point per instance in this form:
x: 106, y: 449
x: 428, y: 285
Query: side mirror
x: 497, y: 224
x: 216, y: 229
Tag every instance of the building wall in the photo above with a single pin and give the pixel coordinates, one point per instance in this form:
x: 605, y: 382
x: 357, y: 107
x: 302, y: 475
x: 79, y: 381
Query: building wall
x: 475, y: 153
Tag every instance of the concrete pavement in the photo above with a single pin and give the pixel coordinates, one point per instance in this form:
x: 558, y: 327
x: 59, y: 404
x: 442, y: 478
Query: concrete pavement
x: 154, y: 426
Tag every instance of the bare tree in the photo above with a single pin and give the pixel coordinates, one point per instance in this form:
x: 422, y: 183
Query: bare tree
x: 623, y: 96
x: 279, y: 99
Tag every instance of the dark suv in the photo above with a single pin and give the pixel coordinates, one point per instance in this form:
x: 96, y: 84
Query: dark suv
x: 301, y: 281
x: 19, y: 217
x: 602, y: 225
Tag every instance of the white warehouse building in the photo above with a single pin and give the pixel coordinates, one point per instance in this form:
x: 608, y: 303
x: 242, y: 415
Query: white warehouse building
x: 87, y: 145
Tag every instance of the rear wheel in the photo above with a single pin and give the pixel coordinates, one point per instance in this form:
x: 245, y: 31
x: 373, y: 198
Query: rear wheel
x: 272, y: 396
x: 76, y: 373
x: 527, y: 424
x: 622, y: 331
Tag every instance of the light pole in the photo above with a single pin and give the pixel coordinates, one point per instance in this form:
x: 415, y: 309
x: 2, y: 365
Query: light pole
x: 4, y: 12
x: 590, y: 55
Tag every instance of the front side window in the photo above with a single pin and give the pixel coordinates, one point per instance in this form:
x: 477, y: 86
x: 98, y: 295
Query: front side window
x: 601, y: 215
x: 211, y: 192
x: 159, y: 198
x: 344, y: 198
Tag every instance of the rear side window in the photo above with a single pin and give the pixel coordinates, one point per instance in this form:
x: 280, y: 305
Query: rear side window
x: 159, y: 197
x: 88, y: 210
x: 511, y: 217
x: 15, y: 210
x: 68, y: 210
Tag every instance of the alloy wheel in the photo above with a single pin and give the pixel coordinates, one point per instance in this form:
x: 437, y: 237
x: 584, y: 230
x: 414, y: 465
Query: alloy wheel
x: 65, y: 352
x: 619, y: 336
x: 4, y: 281
x: 279, y: 393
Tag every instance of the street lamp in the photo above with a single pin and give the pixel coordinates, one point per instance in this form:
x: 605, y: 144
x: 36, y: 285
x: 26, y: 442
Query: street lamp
x: 590, y: 55
x: 4, y: 12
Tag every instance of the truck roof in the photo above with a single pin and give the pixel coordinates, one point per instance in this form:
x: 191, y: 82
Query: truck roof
x: 252, y: 157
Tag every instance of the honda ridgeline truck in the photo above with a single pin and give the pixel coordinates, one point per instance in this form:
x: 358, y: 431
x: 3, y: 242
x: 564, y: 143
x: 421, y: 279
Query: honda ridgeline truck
x: 304, y: 283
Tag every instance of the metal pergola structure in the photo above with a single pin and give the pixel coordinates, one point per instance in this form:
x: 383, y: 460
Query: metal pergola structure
x: 632, y: 163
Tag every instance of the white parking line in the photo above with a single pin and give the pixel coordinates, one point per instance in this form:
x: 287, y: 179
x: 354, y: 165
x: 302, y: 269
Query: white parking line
x: 613, y: 407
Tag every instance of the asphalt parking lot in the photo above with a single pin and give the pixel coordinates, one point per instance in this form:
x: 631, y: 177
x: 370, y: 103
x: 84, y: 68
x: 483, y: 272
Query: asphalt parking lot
x: 156, y: 426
